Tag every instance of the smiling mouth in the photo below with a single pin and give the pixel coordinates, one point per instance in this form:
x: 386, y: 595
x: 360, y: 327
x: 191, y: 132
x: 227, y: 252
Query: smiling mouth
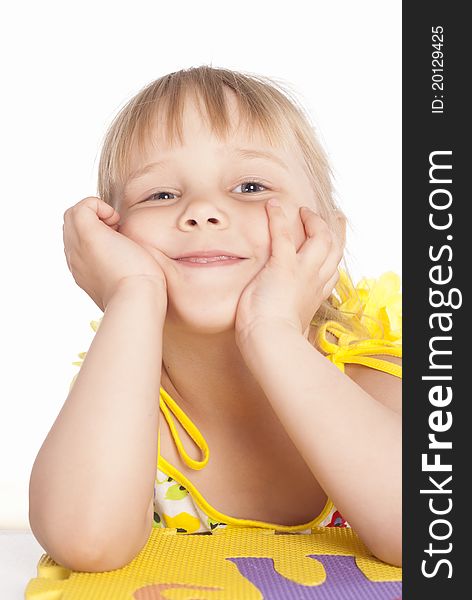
x: 207, y: 259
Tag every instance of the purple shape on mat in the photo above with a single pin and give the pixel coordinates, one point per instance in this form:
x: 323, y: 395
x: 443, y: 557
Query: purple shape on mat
x: 344, y: 581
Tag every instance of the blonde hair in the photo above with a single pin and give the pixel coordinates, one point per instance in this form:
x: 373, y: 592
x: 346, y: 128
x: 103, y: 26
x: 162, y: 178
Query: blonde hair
x: 263, y: 103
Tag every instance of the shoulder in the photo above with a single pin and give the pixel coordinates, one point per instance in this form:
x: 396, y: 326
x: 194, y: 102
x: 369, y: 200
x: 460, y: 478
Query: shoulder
x: 374, y: 361
x: 383, y: 386
x: 370, y: 351
x: 378, y: 373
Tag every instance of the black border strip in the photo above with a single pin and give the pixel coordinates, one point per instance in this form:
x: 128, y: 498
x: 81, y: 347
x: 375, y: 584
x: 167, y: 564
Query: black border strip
x: 435, y: 272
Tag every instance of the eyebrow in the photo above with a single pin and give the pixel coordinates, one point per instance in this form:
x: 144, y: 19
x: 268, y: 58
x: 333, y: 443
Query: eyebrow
x: 250, y: 153
x: 240, y: 152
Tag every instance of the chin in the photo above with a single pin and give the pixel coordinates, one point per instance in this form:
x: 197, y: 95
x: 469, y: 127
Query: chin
x: 204, y: 318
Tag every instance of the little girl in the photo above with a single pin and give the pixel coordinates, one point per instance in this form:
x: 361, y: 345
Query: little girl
x: 214, y: 250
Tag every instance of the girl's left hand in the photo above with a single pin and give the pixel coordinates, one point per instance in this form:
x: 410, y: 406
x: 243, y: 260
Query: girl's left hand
x: 291, y: 286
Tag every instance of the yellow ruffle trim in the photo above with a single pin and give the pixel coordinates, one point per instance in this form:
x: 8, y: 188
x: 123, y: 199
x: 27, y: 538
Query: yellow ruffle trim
x: 376, y: 305
x: 94, y: 325
x: 78, y: 363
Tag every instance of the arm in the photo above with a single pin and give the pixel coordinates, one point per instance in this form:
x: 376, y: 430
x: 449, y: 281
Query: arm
x: 384, y: 387
x: 350, y: 441
x: 91, y: 486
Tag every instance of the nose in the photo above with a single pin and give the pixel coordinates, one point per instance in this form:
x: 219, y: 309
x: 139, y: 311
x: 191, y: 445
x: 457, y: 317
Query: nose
x: 204, y: 215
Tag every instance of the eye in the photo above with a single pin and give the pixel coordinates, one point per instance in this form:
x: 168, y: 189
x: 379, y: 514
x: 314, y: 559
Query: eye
x: 155, y: 196
x: 253, y: 183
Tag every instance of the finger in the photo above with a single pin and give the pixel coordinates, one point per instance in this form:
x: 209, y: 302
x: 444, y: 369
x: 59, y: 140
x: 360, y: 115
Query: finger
x: 315, y: 228
x: 67, y: 259
x: 281, y: 238
x: 107, y: 213
x: 332, y: 261
x: 330, y: 285
x: 319, y: 241
x: 89, y: 209
x: 104, y: 211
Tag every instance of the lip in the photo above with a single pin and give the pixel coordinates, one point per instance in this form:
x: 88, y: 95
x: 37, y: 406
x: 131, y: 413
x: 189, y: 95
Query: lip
x: 207, y: 254
x: 212, y: 263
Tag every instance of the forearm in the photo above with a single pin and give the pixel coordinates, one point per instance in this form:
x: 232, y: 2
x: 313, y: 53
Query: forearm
x: 350, y: 441
x: 95, y: 471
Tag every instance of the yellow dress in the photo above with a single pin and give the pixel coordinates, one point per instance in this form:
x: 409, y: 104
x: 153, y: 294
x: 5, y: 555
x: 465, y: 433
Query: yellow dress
x: 376, y: 305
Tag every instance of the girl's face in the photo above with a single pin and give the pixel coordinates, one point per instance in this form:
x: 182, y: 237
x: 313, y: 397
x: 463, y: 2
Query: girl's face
x: 209, y: 195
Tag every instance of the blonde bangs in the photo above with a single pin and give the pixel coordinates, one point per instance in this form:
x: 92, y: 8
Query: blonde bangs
x: 262, y: 107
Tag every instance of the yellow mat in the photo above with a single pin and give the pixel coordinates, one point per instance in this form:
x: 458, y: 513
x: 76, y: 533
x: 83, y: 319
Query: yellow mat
x: 231, y: 564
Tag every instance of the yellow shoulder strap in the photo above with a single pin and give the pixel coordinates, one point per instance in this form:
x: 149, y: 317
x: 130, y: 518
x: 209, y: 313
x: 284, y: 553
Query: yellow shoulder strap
x: 377, y: 305
x: 364, y: 352
x: 167, y: 404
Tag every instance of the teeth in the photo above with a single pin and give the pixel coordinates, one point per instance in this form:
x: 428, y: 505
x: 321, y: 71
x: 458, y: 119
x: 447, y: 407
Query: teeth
x: 198, y: 259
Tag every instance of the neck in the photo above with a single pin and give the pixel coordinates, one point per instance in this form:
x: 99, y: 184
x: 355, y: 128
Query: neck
x: 207, y: 374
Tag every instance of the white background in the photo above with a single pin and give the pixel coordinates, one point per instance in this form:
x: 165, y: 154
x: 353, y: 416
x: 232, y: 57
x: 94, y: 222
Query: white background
x: 68, y: 68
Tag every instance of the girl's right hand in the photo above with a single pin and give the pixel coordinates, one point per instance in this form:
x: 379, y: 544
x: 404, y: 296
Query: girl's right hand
x: 98, y: 256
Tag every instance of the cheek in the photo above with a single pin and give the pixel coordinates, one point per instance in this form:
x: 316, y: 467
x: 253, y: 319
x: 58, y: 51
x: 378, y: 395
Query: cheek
x: 258, y: 237
x: 142, y: 228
